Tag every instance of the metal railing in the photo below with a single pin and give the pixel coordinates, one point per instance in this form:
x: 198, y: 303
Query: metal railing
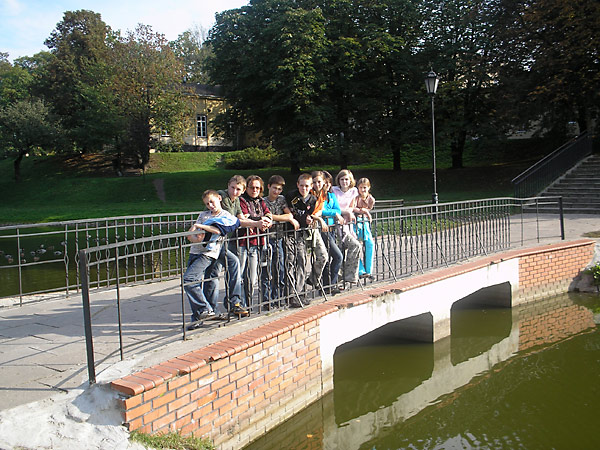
x: 543, y: 173
x: 406, y: 240
x: 43, y: 258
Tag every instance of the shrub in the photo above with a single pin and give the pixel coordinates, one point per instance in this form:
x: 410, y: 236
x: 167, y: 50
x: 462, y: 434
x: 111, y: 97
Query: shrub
x: 252, y: 158
x: 168, y: 146
x: 595, y: 272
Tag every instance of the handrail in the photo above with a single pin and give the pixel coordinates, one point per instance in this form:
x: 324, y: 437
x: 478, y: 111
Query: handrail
x: 540, y: 175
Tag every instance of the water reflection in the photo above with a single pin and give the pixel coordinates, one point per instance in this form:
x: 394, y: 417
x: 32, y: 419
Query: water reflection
x: 529, y: 382
x: 372, y: 372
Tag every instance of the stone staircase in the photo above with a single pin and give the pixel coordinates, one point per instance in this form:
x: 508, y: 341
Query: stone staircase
x: 579, y: 188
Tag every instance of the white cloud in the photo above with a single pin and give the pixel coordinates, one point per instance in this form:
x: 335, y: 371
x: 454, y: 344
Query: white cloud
x: 10, y: 7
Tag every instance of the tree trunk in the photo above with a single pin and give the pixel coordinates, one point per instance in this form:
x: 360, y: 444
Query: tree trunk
x: 582, y: 120
x: 343, y: 151
x: 294, y: 167
x: 17, y: 165
x: 396, y: 158
x: 457, y: 148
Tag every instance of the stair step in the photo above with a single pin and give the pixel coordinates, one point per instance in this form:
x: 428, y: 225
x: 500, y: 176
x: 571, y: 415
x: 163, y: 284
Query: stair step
x: 579, y: 189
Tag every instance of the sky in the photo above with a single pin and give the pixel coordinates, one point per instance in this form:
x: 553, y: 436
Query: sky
x: 26, y: 24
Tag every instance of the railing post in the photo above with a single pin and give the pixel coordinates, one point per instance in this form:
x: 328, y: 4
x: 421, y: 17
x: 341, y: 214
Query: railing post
x: 19, y: 257
x: 119, y: 302
x: 87, y: 315
x: 562, y: 218
x: 180, y: 262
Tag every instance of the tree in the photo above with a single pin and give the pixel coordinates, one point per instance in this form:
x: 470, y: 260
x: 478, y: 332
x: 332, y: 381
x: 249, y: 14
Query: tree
x: 551, y: 48
x: 459, y: 46
x: 191, y: 48
x: 372, y: 73
x: 148, y: 88
x: 352, y: 61
x: 76, y: 78
x: 14, y: 82
x: 270, y: 59
x: 27, y: 126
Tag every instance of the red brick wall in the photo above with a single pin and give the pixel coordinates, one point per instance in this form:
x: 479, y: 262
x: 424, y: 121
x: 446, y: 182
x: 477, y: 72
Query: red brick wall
x: 229, y: 391
x: 550, y: 270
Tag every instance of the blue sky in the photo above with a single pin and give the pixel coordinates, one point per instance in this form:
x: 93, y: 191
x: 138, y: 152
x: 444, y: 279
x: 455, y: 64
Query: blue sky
x: 26, y: 24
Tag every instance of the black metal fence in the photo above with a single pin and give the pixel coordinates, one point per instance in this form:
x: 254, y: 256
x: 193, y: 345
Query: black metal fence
x: 38, y: 260
x: 543, y: 173
x: 405, y: 241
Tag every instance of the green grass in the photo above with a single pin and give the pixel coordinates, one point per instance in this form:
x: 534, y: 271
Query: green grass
x: 171, y: 441
x: 184, y: 162
x: 51, y: 190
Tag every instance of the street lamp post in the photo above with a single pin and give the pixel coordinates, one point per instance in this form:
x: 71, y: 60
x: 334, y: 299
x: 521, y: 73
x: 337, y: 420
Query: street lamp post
x: 431, y: 83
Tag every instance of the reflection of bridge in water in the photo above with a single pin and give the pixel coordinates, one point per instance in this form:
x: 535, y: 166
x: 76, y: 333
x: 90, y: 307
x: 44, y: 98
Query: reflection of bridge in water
x: 444, y: 378
x: 425, y: 374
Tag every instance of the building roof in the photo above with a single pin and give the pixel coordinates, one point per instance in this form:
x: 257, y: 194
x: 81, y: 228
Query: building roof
x: 205, y: 90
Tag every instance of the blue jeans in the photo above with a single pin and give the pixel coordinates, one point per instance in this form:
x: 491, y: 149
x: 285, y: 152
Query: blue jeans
x: 363, y: 232
x: 199, y: 265
x: 249, y: 262
x: 332, y: 269
x: 233, y: 282
x: 273, y: 274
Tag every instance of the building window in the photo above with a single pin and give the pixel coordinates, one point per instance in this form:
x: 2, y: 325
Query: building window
x: 201, y: 130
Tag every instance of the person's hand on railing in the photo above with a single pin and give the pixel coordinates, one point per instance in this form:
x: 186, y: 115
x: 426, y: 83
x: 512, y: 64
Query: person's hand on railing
x: 265, y: 222
x: 198, y: 237
x: 340, y: 219
x: 364, y: 212
x: 349, y: 216
x: 320, y: 222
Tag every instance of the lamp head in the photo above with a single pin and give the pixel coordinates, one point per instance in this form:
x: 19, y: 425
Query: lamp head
x: 431, y: 82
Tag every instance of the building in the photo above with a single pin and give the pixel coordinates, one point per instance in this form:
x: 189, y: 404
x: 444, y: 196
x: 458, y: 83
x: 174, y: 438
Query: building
x: 200, y: 134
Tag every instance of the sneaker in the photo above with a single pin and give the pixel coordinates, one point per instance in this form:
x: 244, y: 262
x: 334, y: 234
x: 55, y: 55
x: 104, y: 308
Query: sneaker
x: 239, y: 311
x: 202, y: 315
x: 294, y: 303
x: 195, y: 325
x: 218, y: 316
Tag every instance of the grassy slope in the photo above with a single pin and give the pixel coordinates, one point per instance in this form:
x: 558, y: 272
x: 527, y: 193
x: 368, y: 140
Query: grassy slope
x: 51, y: 190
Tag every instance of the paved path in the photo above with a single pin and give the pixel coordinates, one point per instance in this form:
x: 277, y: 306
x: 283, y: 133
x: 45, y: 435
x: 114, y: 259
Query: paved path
x: 42, y: 345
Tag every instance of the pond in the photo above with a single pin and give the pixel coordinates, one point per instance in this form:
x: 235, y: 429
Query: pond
x: 525, y: 378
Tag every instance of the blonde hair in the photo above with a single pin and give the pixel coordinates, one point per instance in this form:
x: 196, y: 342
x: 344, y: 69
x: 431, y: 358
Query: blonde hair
x: 364, y: 181
x: 345, y: 173
x: 237, y: 179
x: 210, y: 193
x: 305, y: 176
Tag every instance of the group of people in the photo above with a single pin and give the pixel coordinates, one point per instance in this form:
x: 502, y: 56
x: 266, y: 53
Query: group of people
x: 265, y: 240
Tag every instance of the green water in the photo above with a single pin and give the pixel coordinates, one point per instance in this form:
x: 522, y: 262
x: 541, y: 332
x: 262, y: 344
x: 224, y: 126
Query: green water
x: 526, y: 378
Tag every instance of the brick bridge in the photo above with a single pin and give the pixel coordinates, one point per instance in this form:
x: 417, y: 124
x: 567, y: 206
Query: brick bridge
x: 235, y: 390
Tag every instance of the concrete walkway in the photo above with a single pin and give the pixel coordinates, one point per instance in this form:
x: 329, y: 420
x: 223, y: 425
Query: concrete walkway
x: 42, y: 345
